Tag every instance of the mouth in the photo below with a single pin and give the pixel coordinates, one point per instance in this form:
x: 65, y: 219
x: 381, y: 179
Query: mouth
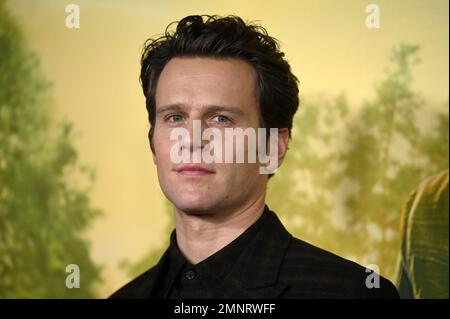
x: 193, y: 170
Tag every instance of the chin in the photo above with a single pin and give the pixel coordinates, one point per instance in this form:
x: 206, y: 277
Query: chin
x: 190, y: 204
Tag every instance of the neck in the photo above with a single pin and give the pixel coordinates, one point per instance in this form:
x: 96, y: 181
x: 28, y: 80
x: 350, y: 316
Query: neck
x: 201, y: 235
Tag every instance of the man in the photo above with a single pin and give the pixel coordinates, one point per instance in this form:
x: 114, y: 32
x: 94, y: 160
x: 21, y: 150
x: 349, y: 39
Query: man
x: 423, y: 264
x: 225, y: 74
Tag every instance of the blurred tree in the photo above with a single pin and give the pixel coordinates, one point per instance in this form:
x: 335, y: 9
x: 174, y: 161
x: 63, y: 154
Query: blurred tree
x: 347, y: 175
x: 134, y: 269
x: 42, y: 212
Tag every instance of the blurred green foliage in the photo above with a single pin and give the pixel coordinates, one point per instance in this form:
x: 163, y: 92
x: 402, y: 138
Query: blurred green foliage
x: 347, y: 174
x: 150, y: 259
x: 42, y: 210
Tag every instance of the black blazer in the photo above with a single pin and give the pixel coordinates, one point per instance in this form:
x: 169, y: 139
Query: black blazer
x: 277, y: 265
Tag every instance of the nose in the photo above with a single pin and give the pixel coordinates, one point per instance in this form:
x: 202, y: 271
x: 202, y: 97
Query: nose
x: 194, y: 142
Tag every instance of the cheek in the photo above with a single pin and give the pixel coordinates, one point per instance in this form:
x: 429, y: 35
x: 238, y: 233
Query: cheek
x: 238, y: 174
x: 240, y: 181
x: 161, y: 146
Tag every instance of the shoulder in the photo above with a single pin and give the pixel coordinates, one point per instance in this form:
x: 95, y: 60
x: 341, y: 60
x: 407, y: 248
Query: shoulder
x: 138, y: 287
x: 312, y: 272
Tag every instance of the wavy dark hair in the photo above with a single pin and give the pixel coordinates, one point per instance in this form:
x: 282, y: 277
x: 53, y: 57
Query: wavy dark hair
x: 225, y: 37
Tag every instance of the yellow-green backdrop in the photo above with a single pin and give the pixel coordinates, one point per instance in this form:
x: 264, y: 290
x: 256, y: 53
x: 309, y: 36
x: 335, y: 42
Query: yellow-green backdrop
x: 94, y: 73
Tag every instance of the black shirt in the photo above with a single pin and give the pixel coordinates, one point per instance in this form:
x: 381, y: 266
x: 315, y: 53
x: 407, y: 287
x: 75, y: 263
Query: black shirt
x: 203, y: 279
x: 264, y: 262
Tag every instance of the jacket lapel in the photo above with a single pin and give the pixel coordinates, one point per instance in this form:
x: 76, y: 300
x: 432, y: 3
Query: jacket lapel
x: 255, y: 274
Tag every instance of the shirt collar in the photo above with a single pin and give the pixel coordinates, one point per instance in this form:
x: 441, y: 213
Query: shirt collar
x: 216, y: 267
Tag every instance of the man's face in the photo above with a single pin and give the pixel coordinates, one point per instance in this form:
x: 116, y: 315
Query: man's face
x: 221, y: 94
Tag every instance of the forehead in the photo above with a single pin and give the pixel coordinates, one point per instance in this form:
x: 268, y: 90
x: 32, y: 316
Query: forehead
x: 203, y: 81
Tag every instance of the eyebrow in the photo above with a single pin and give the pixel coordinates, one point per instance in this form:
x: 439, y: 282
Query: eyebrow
x: 209, y: 108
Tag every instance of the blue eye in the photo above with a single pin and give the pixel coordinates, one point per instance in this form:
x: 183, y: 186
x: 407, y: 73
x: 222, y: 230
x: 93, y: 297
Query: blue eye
x: 221, y: 119
x: 176, y: 118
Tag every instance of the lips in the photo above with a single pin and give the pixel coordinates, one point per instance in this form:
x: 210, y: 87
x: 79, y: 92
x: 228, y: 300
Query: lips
x: 193, y: 170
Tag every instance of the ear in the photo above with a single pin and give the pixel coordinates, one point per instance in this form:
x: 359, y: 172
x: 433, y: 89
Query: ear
x: 283, y: 141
